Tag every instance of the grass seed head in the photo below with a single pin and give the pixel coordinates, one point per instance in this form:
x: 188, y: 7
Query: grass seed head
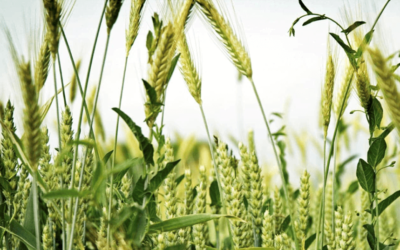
x: 42, y: 63
x: 53, y: 13
x: 112, y: 12
x: 328, y: 91
x: 232, y: 44
x: 134, y: 23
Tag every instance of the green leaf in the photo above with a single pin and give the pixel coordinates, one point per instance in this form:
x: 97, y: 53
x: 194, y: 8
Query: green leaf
x: 366, y: 41
x: 386, y: 202
x: 375, y: 114
x: 353, y: 26
x: 5, y: 184
x: 376, y: 152
x: 152, y: 208
x: 285, y: 223
x: 176, y: 247
x: 144, y: 144
x: 370, y: 235
x: 185, y: 221
x: 353, y: 187
x: 62, y: 194
x: 215, y: 195
x: 304, y: 7
x: 341, y: 168
x: 346, y: 48
x: 310, y: 240
x: 149, y: 40
x: 139, y: 191
x: 314, y: 19
x: 151, y: 92
x: 157, y: 180
x: 172, y: 69
x: 27, y: 238
x: 121, y: 169
x: 107, y: 157
x: 137, y: 227
x: 179, y: 179
x: 366, y: 176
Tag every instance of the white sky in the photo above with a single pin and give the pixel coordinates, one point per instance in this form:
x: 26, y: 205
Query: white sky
x: 288, y: 71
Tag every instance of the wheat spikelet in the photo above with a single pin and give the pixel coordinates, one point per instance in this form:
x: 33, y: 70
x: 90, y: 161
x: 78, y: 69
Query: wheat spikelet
x: 304, y: 201
x: 1, y: 111
x: 53, y: 10
x: 134, y: 22
x: 268, y: 230
x: 387, y: 84
x: 112, y: 12
x: 188, y: 69
x: 341, y: 95
x: 73, y: 83
x: 328, y: 91
x: 233, y: 45
x: 42, y: 64
x: 159, y: 69
x: 362, y: 86
x: 199, y: 229
x: 32, y: 119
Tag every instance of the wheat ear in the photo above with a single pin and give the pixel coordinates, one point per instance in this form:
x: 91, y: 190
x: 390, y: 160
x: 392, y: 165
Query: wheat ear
x: 72, y: 93
x: 42, y: 64
x: 112, y: 12
x: 53, y: 16
x: 328, y: 92
x: 134, y: 22
x: 387, y: 84
x: 233, y: 45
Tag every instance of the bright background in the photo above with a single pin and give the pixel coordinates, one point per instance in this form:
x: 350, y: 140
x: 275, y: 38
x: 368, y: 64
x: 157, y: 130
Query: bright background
x: 288, y: 71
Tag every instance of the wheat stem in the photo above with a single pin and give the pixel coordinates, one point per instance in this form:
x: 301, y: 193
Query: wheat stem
x: 62, y: 79
x: 36, y: 208
x: 115, y: 153
x: 277, y: 160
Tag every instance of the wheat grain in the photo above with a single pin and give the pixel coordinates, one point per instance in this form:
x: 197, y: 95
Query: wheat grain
x: 233, y: 45
x: 134, y: 22
x: 112, y: 12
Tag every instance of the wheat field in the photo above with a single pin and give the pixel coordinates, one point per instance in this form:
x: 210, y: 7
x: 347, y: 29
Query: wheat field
x: 67, y: 183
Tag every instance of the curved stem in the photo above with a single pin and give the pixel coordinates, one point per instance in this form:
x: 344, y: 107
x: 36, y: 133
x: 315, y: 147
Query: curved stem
x: 378, y: 17
x: 278, y: 162
x: 115, y: 154
x: 62, y: 79
x: 321, y: 217
x: 59, y: 147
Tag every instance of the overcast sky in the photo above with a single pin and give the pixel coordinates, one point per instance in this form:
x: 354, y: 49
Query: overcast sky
x: 288, y: 71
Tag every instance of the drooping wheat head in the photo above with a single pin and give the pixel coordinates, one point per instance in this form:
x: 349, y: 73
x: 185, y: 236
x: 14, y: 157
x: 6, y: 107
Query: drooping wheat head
x: 189, y: 70
x: 42, y: 63
x: 232, y: 43
x: 112, y: 12
x: 387, y: 84
x: 53, y: 9
x: 134, y: 23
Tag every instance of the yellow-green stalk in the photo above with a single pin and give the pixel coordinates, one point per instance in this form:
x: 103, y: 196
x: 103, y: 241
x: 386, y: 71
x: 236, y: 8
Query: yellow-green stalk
x: 73, y: 84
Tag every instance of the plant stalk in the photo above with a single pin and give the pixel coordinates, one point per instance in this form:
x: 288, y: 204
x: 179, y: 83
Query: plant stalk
x: 277, y: 160
x: 36, y: 209
x: 115, y: 155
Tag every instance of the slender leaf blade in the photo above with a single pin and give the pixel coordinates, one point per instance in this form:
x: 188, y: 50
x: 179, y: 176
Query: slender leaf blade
x: 303, y: 6
x: 144, y: 143
x: 353, y: 27
x: 185, y: 221
x: 314, y: 19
